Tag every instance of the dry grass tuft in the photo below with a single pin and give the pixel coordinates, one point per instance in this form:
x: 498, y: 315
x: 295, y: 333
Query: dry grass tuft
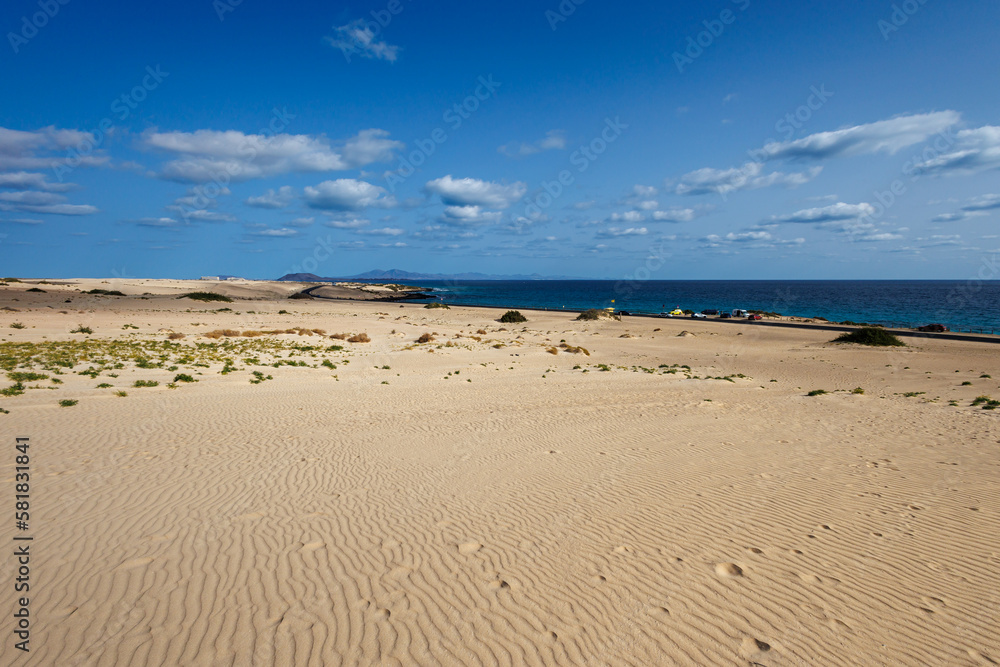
x: 359, y: 338
x: 175, y: 336
x: 425, y: 338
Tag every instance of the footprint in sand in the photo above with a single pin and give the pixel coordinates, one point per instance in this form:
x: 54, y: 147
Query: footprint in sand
x: 498, y: 584
x: 598, y: 579
x: 728, y: 570
x: 312, y: 546
x: 469, y: 548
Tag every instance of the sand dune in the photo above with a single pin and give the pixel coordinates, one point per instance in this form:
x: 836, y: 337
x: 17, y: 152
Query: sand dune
x: 487, y: 503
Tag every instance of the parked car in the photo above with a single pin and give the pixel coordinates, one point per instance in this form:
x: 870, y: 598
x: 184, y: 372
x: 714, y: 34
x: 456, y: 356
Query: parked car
x: 724, y: 315
x: 753, y: 316
x: 710, y: 311
x: 699, y: 316
x: 624, y: 312
x: 740, y: 313
x: 934, y: 328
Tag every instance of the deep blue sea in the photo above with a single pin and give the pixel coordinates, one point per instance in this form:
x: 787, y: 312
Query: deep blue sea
x: 962, y: 305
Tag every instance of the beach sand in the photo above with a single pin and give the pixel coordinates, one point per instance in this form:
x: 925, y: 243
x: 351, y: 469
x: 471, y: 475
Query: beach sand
x: 486, y: 502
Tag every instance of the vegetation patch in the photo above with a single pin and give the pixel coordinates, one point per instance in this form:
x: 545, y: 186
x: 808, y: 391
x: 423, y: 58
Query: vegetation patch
x: 437, y: 304
x: 512, y: 317
x: 594, y: 314
x: 206, y: 296
x: 82, y: 329
x: 872, y: 336
x: 817, y: 392
x: 68, y: 403
x: 105, y: 292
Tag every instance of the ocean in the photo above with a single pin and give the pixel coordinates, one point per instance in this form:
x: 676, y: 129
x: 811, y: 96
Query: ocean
x: 962, y: 305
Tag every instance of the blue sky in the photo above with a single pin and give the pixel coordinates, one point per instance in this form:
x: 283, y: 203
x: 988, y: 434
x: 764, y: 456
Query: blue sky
x: 728, y: 139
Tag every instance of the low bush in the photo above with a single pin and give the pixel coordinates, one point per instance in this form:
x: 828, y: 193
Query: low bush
x: 206, y: 296
x: 817, y: 392
x: 513, y: 317
x: 68, y: 402
x: 359, y: 338
x: 872, y: 336
x: 82, y: 329
x: 425, y: 338
x: 437, y: 304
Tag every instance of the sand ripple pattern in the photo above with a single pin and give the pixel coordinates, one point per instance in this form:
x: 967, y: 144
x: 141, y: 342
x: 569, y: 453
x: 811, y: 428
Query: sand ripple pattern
x: 499, y: 525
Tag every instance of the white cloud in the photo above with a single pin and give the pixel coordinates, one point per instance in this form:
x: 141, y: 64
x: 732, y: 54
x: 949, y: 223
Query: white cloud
x: 884, y: 136
x: 346, y: 194
x: 469, y: 215
x: 284, y: 232
x: 356, y: 38
x: 21, y: 149
x: 834, y: 212
x: 157, y: 222
x: 31, y: 201
x: 883, y: 236
x: 23, y: 180
x: 473, y: 192
x: 384, y: 231
x: 231, y: 155
x: 983, y: 203
x: 674, y: 215
x: 747, y: 177
x: 301, y: 222
x: 355, y: 223
x: 279, y: 198
x: 553, y: 140
x: 628, y: 216
x: 615, y: 232
x: 22, y: 221
x: 974, y: 151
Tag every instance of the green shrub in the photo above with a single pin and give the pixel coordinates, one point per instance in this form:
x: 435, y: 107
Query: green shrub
x: 817, y: 392
x: 513, y: 317
x: 36, y: 289
x: 15, y: 389
x: 873, y: 336
x: 104, y: 385
x: 437, y: 304
x: 82, y: 329
x: 206, y: 296
x: 857, y: 390
x: 105, y: 292
x: 17, y: 325
x: 68, y: 402
x: 183, y: 377
x: 592, y: 314
x: 146, y: 383
x: 27, y: 377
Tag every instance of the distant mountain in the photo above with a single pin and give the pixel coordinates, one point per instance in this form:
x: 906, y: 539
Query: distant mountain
x: 396, y: 274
